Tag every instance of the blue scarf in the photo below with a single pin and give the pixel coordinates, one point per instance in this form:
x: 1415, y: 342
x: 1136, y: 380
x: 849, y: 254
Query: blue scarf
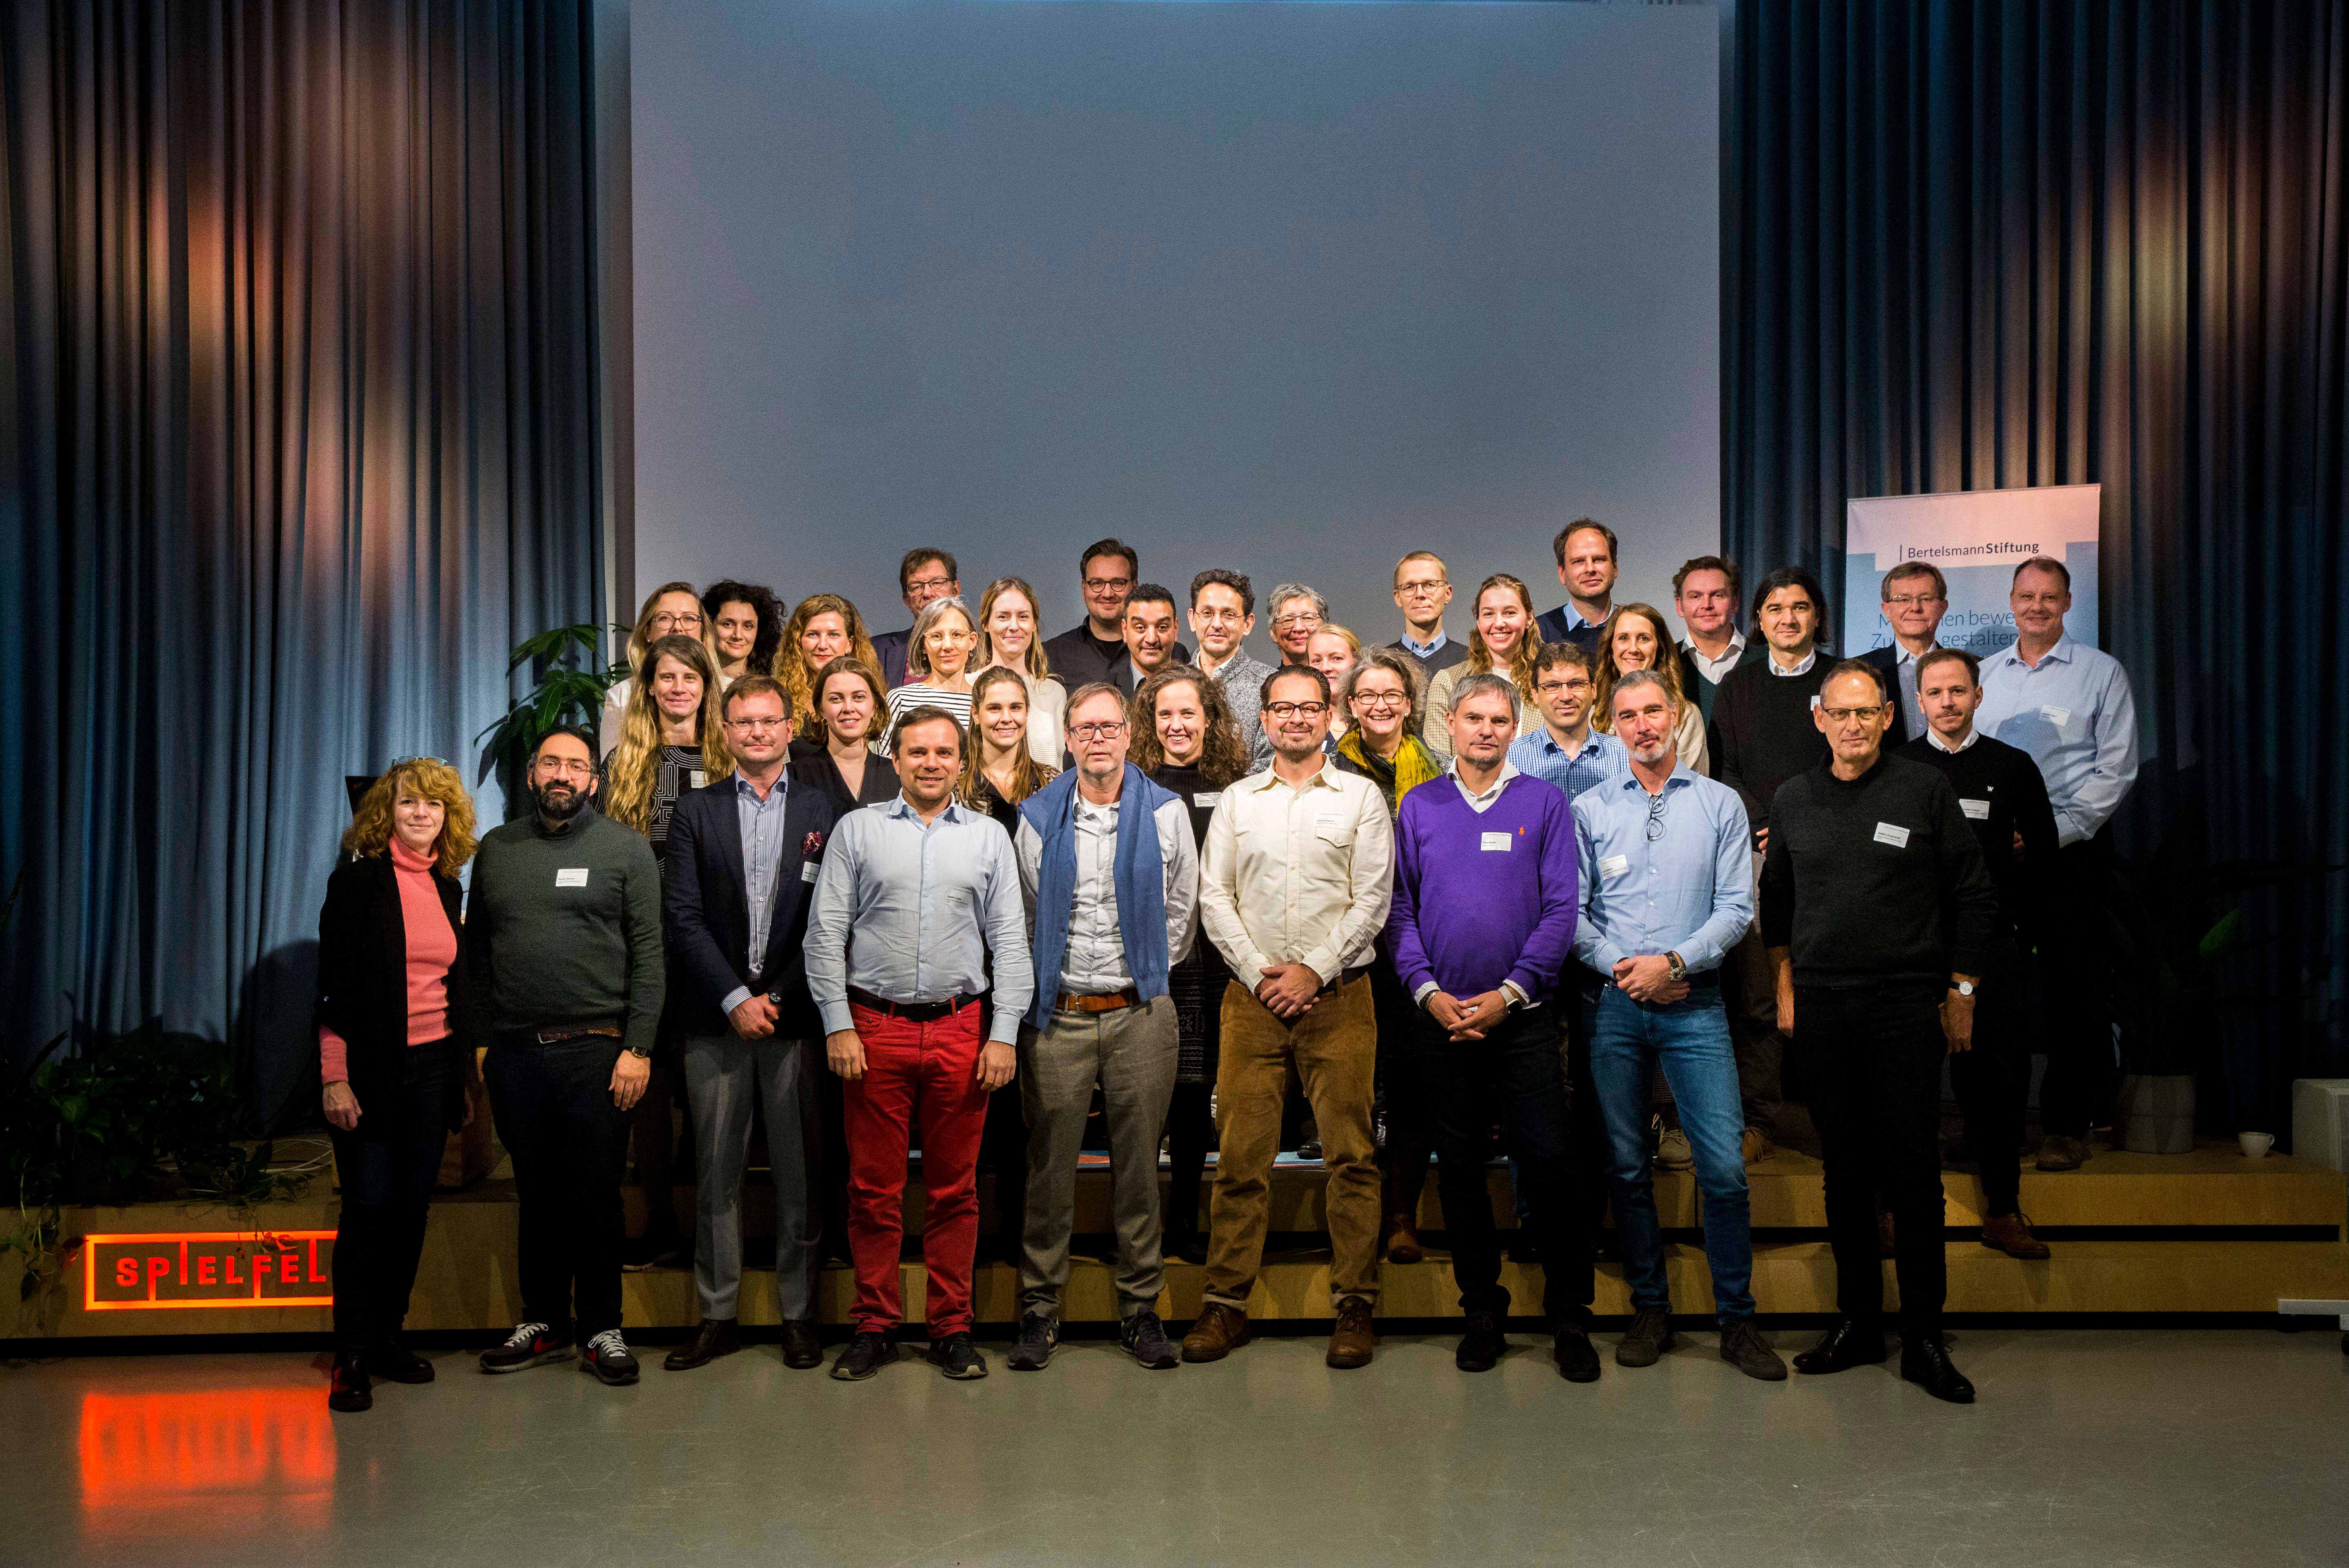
x: 1138, y: 874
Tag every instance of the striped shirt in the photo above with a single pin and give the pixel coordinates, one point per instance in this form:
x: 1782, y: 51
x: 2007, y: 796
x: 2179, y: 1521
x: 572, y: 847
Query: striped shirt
x: 904, y: 698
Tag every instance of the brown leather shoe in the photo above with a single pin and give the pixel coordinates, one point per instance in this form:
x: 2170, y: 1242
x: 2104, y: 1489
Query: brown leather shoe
x: 1352, y: 1342
x: 1755, y: 1145
x: 1216, y: 1331
x: 714, y: 1338
x: 2010, y: 1234
x: 1884, y: 1241
x: 1402, y: 1239
x: 801, y: 1349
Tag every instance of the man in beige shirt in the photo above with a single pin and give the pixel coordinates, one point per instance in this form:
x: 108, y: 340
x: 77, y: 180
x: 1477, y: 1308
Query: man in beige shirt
x: 1294, y: 881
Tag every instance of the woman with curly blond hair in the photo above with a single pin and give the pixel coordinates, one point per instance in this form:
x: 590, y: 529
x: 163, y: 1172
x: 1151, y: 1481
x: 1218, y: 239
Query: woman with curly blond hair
x: 391, y: 986
x: 823, y: 627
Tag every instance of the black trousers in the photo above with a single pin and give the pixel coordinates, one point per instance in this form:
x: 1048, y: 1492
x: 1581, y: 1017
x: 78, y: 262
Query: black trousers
x: 1190, y: 1133
x: 1403, y: 1164
x: 387, y: 1165
x: 570, y: 1146
x: 1993, y: 1081
x: 2076, y: 988
x: 1877, y: 1053
x: 1512, y: 1075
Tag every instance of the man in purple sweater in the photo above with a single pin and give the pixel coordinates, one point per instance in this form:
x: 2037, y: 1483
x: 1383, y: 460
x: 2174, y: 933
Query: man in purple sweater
x: 1483, y: 921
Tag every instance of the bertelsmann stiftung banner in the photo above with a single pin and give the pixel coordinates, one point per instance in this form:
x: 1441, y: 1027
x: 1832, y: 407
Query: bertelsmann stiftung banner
x: 1977, y: 538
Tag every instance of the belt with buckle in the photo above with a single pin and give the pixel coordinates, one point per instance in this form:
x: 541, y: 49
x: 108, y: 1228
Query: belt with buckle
x: 1104, y: 1001
x: 911, y: 1011
x: 556, y: 1034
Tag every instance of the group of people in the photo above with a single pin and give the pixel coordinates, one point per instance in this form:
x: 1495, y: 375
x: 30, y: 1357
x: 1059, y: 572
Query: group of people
x: 950, y: 888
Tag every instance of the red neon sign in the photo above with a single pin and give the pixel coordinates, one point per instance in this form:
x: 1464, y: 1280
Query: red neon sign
x: 175, y: 1269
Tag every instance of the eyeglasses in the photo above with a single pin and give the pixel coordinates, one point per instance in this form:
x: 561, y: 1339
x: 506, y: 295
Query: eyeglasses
x: 1297, y: 710
x: 1655, y: 817
x: 757, y: 726
x: 1422, y: 585
x: 1217, y: 617
x: 1107, y: 729
x: 927, y: 585
x: 568, y: 767
x: 1108, y: 585
x: 1375, y: 700
x: 672, y: 619
x: 1908, y: 600
x: 1560, y: 688
x: 1845, y: 715
x: 1297, y: 617
x: 403, y: 762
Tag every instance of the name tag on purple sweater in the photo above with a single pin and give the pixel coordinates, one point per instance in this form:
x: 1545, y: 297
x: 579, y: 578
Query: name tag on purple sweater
x: 1497, y: 841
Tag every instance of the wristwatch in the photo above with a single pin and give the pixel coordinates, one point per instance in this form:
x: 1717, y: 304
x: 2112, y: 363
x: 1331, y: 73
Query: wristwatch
x: 1962, y: 987
x: 1678, y: 969
x: 640, y: 1053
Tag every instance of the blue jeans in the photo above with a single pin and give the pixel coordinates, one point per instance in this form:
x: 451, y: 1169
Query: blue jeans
x: 1690, y: 1039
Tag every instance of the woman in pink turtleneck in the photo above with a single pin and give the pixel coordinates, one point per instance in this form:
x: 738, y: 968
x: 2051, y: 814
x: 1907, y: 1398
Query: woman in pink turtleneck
x: 396, y: 1081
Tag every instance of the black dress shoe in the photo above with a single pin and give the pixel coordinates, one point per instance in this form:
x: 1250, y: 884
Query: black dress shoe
x: 1848, y: 1343
x: 348, y: 1390
x: 1925, y: 1361
x: 802, y: 1350
x: 396, y: 1361
x: 717, y: 1336
x: 1577, y: 1362
x: 1482, y: 1347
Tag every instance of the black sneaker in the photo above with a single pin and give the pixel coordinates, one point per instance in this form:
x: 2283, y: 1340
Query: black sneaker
x: 608, y: 1357
x: 867, y: 1354
x: 1037, y: 1336
x: 348, y: 1390
x: 1742, y: 1347
x: 958, y: 1357
x: 1143, y: 1337
x: 530, y: 1344
x: 1576, y: 1361
x: 395, y: 1361
x: 1649, y: 1335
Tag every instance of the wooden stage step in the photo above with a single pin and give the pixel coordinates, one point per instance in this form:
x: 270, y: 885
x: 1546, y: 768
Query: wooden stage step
x: 2207, y: 1231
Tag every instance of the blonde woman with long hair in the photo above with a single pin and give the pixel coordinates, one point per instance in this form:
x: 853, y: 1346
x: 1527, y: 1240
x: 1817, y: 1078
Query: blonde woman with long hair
x: 672, y: 610
x: 391, y: 986
x: 672, y: 738
x: 1009, y: 638
x: 824, y: 627
x: 1635, y: 638
x: 1505, y: 640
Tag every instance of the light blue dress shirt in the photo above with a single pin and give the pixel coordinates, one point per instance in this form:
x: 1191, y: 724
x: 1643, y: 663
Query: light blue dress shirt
x: 2072, y: 712
x: 1601, y: 759
x: 1425, y: 650
x: 913, y: 913
x: 762, y: 849
x: 1688, y: 891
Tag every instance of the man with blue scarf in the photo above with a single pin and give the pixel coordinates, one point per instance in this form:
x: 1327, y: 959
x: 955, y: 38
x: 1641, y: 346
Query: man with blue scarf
x: 1112, y: 883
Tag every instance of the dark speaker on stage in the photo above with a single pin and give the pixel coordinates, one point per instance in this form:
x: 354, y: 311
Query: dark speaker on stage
x: 357, y: 784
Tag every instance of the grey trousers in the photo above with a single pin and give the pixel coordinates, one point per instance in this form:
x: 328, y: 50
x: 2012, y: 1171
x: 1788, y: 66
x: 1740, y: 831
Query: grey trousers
x: 723, y: 1074
x: 1131, y: 1052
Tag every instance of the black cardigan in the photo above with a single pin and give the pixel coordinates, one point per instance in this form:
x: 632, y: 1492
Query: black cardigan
x: 363, y: 976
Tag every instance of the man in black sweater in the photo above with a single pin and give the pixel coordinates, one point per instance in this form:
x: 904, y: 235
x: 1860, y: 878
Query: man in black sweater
x: 1761, y: 733
x: 2005, y: 802
x: 1877, y: 915
x: 1094, y: 649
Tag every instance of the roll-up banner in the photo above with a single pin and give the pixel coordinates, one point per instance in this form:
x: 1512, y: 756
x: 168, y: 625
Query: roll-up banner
x: 1977, y: 538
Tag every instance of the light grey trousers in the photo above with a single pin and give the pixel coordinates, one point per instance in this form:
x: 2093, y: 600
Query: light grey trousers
x: 723, y: 1075
x: 1131, y: 1052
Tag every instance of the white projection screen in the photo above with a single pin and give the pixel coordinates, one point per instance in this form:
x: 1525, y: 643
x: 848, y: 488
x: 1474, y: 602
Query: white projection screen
x: 1291, y: 289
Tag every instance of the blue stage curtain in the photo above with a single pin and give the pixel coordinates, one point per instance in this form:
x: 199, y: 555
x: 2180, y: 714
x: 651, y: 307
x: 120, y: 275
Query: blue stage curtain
x: 1969, y: 247
x: 302, y: 432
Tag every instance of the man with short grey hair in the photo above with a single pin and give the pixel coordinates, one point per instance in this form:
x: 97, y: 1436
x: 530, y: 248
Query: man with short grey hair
x: 1297, y: 612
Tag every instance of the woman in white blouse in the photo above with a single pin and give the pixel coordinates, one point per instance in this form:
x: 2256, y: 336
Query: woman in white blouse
x: 1007, y: 637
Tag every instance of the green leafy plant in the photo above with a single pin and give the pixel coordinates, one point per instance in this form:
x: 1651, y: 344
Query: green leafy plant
x: 566, y: 689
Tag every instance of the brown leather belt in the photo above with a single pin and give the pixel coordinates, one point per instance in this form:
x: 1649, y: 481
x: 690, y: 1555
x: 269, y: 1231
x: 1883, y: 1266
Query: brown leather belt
x: 556, y: 1034
x: 1107, y: 1002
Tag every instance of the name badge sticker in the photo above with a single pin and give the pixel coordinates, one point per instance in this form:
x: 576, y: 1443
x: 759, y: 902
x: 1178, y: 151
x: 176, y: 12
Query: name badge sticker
x: 1896, y: 836
x: 1207, y: 797
x: 700, y: 780
x: 1497, y: 841
x: 1327, y: 818
x: 810, y: 870
x: 571, y: 877
x: 2059, y: 717
x: 1614, y: 866
x: 1977, y: 809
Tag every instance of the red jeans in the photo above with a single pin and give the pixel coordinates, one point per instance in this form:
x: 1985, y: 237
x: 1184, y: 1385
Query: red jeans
x: 929, y: 1069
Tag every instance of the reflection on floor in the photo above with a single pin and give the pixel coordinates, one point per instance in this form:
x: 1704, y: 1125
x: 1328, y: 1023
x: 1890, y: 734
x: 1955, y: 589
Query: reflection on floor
x: 2200, y: 1448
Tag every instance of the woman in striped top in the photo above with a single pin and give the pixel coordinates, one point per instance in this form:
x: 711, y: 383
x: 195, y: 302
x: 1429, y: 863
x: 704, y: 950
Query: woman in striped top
x: 939, y: 653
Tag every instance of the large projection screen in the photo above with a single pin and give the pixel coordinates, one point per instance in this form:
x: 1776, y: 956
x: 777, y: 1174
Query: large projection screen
x: 1292, y: 289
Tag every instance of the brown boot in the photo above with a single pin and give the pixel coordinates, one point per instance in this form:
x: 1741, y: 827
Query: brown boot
x: 1403, y: 1240
x: 1352, y: 1342
x: 2010, y: 1234
x: 1216, y: 1331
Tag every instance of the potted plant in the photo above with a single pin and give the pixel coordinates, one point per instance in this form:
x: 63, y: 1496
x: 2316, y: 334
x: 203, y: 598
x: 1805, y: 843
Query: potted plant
x: 566, y: 689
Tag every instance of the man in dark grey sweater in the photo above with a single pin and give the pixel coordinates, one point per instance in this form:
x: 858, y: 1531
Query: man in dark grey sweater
x: 1877, y: 915
x: 563, y: 932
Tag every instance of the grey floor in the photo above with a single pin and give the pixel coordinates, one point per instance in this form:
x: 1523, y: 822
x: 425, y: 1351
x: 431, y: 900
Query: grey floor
x: 2107, y: 1448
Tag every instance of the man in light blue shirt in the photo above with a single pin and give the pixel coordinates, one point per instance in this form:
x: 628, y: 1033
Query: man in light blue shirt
x: 1667, y: 881
x: 913, y: 899
x: 1566, y: 750
x: 2070, y: 707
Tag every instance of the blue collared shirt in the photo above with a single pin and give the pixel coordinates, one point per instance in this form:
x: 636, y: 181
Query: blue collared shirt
x: 2072, y: 712
x: 1424, y: 650
x: 1602, y: 758
x: 1689, y: 890
x: 913, y: 913
x: 762, y: 852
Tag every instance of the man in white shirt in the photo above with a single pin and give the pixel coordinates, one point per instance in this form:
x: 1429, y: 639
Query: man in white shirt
x: 2069, y: 705
x: 1294, y: 883
x: 1107, y: 865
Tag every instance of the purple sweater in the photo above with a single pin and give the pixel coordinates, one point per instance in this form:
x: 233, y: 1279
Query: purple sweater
x: 1469, y: 918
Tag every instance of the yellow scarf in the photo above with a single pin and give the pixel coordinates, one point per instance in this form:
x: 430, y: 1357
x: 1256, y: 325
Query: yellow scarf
x: 1414, y: 765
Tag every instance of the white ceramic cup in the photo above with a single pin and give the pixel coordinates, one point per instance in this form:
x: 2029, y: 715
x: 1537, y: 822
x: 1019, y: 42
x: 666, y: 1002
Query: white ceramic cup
x: 2255, y: 1146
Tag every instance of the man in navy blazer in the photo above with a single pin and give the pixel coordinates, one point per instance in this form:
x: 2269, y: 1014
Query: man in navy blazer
x: 742, y: 866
